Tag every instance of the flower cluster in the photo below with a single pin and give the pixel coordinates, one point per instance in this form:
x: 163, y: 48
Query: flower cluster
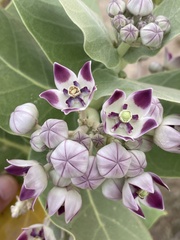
x: 108, y: 152
x: 135, y: 23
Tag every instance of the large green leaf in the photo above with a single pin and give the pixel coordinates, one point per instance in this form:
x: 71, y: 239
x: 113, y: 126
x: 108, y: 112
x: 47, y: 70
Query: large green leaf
x: 12, y: 147
x: 24, y: 72
x: 60, y: 39
x: 107, y: 82
x: 170, y: 9
x: 97, y: 42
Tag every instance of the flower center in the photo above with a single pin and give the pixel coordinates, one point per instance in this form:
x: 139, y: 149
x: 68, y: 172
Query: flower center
x: 74, y: 91
x: 125, y: 116
x: 142, y: 193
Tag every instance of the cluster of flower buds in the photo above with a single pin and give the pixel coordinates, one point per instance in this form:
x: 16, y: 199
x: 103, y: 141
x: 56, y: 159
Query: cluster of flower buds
x: 110, y: 152
x: 135, y: 23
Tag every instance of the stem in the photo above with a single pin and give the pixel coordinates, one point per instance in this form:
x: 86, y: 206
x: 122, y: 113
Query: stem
x: 123, y: 48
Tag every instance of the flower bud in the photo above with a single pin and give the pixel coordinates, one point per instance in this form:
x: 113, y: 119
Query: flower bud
x: 138, y: 163
x: 167, y: 135
x: 98, y: 140
x: 140, y: 8
x: 115, y: 7
x: 155, y: 67
x: 53, y: 132
x: 151, y: 35
x: 143, y: 143
x: 36, y: 142
x: 129, y: 33
x: 164, y: 23
x: 83, y: 139
x: 119, y: 21
x: 24, y: 118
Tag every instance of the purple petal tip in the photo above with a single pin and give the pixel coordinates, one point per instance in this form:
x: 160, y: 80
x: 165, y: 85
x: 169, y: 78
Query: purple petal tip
x: 86, y: 71
x: 49, y: 96
x: 61, y: 73
x: 143, y: 98
x: 116, y: 96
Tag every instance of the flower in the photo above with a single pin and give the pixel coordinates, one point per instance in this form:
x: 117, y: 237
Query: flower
x: 74, y: 93
x: 151, y: 35
x: 35, y: 177
x: 126, y: 118
x: 64, y: 200
x: 37, y: 231
x: 91, y: 179
x: 53, y: 132
x: 24, y: 118
x: 70, y: 159
x: 142, y: 189
x: 140, y: 7
x: 167, y: 135
x: 113, y: 161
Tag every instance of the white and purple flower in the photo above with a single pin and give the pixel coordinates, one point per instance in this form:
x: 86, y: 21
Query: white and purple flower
x: 127, y: 118
x: 142, y: 189
x: 73, y: 93
x: 35, y: 177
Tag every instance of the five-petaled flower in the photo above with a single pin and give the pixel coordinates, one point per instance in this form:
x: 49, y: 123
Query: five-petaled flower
x: 142, y: 189
x: 74, y: 93
x: 127, y: 118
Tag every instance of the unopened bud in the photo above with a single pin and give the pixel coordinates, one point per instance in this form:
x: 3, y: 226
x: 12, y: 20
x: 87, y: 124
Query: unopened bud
x: 53, y: 132
x: 155, y: 67
x: 164, y: 23
x: 119, y: 21
x: 115, y: 7
x: 36, y: 142
x: 151, y: 35
x: 98, y: 140
x: 24, y: 118
x: 129, y: 33
x: 140, y: 8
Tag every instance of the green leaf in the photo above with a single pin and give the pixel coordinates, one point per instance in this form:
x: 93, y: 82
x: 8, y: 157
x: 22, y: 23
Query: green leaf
x: 170, y: 9
x: 100, y: 218
x: 60, y: 39
x: 152, y: 215
x: 24, y: 73
x: 12, y: 147
x: 107, y: 82
x: 97, y: 42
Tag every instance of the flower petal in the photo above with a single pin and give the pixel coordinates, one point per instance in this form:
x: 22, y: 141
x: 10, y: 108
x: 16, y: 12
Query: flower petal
x: 128, y: 198
x: 85, y: 78
x: 143, y: 181
x: 154, y: 200
x: 63, y: 76
x: 139, y: 102
x: 73, y: 204
x: 158, y: 180
x: 112, y: 189
x: 54, y: 97
x: 22, y: 163
x: 55, y: 199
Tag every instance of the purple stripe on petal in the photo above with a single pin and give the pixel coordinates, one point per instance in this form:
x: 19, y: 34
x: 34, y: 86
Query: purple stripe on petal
x: 76, y: 84
x: 41, y: 233
x: 138, y: 212
x: 116, y: 126
x: 148, y: 125
x: 65, y: 91
x: 81, y: 101
x: 129, y: 127
x: 135, y: 117
x: 61, y: 210
x: 158, y: 180
x: 18, y: 171
x: 113, y: 115
x: 49, y: 96
x: 116, y: 96
x: 33, y: 233
x: 86, y: 71
x: 61, y: 73
x: 125, y: 106
x: 85, y: 90
x: 143, y: 98
x: 26, y: 193
x: 155, y: 200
